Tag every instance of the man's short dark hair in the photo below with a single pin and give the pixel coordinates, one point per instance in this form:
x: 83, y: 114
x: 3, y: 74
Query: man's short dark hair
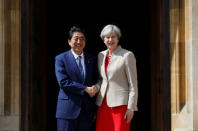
x: 75, y: 29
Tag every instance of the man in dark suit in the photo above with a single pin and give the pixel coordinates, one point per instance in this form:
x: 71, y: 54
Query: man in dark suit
x: 76, y: 72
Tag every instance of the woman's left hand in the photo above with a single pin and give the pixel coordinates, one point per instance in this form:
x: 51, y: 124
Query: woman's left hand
x: 128, y: 115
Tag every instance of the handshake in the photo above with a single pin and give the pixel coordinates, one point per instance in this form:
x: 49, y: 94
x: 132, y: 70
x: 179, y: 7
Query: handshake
x: 91, y: 90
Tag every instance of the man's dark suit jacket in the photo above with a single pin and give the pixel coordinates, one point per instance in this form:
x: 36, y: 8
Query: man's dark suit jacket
x: 72, y: 96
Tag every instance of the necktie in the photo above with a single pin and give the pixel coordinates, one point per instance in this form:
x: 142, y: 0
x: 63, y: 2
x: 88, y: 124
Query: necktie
x: 80, y: 66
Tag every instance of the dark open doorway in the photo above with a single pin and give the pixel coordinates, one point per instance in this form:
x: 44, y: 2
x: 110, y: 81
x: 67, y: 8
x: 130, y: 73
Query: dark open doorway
x: 135, y: 27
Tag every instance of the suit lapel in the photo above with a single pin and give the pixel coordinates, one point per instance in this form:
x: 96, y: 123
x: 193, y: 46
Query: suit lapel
x: 113, y: 58
x: 74, y: 65
x: 86, y: 60
x: 103, y: 64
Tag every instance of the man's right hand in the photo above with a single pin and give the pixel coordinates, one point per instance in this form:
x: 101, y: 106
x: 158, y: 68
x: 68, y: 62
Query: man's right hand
x: 91, y: 90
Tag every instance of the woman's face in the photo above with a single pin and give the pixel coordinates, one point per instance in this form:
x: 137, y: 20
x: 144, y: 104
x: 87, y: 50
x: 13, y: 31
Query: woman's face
x: 111, y: 41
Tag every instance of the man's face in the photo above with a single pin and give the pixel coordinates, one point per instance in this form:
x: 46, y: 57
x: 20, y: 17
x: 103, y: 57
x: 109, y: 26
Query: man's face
x: 77, y: 42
